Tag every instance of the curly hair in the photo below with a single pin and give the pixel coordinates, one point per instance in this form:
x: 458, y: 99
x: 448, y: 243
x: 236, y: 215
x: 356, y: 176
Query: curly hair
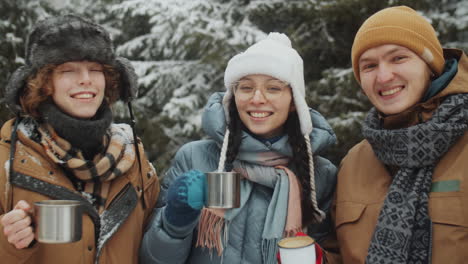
x: 299, y: 161
x: 39, y: 88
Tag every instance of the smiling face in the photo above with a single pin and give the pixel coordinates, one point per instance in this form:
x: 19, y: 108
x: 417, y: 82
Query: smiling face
x: 393, y: 77
x: 263, y: 103
x: 78, y: 88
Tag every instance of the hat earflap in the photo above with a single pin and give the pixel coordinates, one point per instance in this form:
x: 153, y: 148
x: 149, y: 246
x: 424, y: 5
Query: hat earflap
x: 128, y: 79
x: 15, y: 87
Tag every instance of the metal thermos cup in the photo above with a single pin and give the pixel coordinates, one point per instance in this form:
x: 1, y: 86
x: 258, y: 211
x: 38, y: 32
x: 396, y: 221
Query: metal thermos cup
x: 223, y: 190
x: 58, y: 221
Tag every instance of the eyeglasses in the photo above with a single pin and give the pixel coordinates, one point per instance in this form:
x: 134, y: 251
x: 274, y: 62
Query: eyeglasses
x: 244, y: 91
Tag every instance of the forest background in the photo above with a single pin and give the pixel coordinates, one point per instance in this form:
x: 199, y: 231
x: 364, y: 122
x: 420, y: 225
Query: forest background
x: 180, y: 48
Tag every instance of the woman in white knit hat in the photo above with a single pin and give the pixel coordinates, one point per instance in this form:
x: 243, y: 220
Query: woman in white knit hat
x: 263, y: 128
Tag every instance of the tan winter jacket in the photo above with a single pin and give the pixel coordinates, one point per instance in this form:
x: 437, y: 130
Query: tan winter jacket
x: 35, y: 168
x: 363, y: 182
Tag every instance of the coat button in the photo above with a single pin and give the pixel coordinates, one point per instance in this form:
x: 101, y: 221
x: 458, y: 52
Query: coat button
x: 90, y: 248
x: 148, y: 175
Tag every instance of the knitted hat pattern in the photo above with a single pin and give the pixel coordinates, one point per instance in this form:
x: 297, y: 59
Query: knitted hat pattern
x: 275, y: 57
x: 402, y: 26
x: 60, y: 39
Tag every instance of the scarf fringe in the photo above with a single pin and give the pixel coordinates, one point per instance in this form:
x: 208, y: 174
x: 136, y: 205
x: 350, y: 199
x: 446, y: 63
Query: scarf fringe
x: 270, y: 246
x: 211, y: 231
x: 269, y: 250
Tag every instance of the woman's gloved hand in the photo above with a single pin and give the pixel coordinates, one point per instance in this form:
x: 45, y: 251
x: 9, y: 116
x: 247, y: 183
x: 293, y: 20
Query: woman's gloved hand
x: 185, y: 198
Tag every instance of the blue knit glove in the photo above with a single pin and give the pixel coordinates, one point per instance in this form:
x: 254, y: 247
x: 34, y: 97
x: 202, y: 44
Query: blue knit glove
x: 185, y: 198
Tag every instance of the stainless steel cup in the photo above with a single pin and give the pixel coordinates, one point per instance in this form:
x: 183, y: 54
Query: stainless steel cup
x: 223, y: 190
x: 58, y: 221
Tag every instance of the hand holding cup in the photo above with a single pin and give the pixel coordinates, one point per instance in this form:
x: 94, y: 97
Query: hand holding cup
x: 17, y: 225
x: 185, y: 198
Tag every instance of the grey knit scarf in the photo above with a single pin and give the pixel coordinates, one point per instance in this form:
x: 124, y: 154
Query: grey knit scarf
x: 83, y: 134
x: 403, y: 233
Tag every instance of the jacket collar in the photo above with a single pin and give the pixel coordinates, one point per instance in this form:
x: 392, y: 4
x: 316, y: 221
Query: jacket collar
x: 214, y: 125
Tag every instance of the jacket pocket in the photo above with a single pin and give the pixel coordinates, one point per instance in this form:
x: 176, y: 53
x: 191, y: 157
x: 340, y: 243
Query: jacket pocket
x: 353, y: 230
x: 348, y: 212
x: 449, y: 228
x: 448, y: 210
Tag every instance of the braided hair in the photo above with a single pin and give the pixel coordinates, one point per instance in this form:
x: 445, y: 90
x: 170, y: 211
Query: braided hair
x: 235, y: 136
x: 300, y: 162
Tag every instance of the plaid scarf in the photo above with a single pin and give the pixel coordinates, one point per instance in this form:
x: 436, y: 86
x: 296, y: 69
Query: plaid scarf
x: 403, y: 233
x: 98, y: 173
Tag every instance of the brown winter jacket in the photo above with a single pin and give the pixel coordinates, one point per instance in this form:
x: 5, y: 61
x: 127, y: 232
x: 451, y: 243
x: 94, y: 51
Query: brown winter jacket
x: 32, y: 164
x: 363, y: 182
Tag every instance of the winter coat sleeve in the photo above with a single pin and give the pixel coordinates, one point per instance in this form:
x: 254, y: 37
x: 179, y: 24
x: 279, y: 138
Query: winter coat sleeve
x: 8, y: 252
x: 162, y: 242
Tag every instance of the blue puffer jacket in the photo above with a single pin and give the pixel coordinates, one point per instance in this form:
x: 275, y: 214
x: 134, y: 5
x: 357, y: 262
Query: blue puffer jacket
x: 165, y: 244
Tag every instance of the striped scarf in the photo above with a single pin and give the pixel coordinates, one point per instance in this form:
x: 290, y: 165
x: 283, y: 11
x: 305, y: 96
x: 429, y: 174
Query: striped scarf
x: 98, y: 173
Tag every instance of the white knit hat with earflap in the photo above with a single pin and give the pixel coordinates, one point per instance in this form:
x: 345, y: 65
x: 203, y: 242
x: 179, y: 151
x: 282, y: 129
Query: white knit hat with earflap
x: 275, y: 57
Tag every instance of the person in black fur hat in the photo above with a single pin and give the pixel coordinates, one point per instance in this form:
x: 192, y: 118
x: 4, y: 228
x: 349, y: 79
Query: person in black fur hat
x: 63, y: 145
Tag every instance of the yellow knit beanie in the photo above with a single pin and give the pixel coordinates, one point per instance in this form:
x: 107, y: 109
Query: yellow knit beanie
x: 402, y: 26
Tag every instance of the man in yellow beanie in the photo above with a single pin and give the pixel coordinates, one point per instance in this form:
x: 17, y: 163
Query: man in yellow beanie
x: 402, y: 193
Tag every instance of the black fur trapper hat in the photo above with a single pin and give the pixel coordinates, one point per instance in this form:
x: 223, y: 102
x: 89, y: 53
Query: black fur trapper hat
x: 60, y: 39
